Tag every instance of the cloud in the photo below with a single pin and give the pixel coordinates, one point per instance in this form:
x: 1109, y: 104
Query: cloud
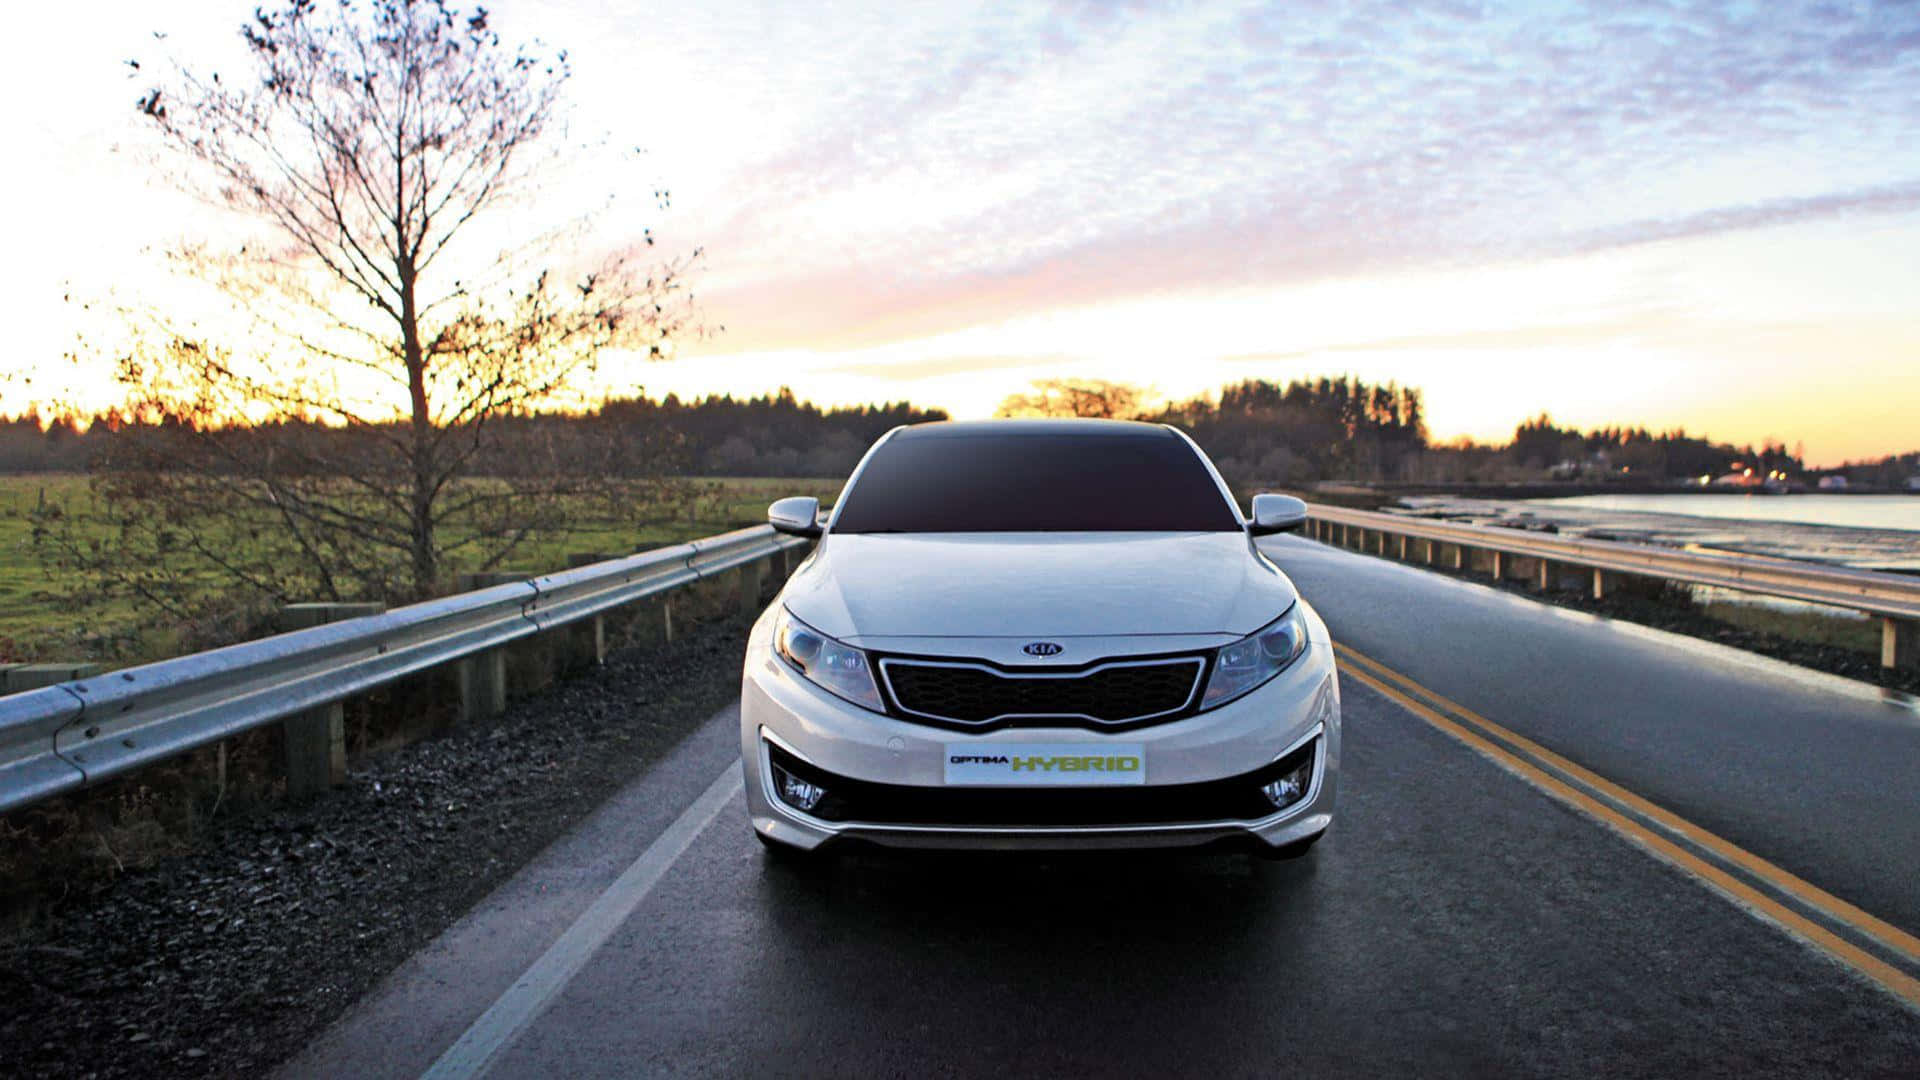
x: 1891, y: 199
x: 936, y: 366
x: 955, y: 165
x: 899, y: 175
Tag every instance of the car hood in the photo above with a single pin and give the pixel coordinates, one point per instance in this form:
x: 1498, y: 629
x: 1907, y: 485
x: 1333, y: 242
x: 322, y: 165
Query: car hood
x: 862, y: 587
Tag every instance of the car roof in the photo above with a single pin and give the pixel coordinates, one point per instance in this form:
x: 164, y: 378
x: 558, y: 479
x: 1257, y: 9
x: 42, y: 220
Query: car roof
x: 969, y: 429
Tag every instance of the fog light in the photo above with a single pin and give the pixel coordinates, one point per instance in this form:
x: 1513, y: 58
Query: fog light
x: 1289, y: 789
x: 795, y: 792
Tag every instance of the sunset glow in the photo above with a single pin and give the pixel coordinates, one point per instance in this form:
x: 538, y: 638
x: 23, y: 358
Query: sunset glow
x: 1659, y: 214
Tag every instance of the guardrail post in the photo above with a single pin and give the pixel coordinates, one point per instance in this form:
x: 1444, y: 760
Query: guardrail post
x: 1403, y: 547
x: 790, y: 560
x: 1603, y: 583
x: 483, y: 685
x: 652, y: 621
x: 593, y: 640
x: 483, y: 676
x: 1899, y: 643
x: 1544, y: 577
x: 20, y: 677
x: 315, y: 741
x: 753, y: 578
x: 1499, y: 564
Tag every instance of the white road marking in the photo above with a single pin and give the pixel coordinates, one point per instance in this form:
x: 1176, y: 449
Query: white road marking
x: 528, y: 997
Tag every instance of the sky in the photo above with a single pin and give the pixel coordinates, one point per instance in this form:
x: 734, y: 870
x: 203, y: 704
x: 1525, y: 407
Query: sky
x: 1669, y: 214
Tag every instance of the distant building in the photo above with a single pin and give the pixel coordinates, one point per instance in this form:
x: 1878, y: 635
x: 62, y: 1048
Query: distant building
x: 1913, y: 483
x: 1596, y: 465
x: 1836, y: 482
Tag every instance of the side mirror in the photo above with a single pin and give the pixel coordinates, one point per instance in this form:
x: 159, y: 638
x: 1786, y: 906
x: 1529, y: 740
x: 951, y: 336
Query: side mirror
x: 799, y: 515
x: 1276, y: 514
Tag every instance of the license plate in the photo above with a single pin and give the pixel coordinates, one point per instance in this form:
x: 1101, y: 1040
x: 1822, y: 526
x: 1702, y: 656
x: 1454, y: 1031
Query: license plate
x: 1046, y: 765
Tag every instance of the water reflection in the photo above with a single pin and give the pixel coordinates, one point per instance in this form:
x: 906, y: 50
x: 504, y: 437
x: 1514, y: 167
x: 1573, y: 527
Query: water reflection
x: 1870, y: 532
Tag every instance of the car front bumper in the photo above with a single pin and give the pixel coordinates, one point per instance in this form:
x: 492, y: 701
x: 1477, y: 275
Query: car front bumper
x: 782, y: 712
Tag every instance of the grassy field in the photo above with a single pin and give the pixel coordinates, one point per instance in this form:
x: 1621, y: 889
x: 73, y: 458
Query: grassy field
x: 1845, y: 630
x: 47, y: 616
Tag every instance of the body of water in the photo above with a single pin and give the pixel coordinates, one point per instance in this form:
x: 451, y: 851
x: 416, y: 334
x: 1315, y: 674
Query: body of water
x: 1871, y: 532
x: 1851, y: 511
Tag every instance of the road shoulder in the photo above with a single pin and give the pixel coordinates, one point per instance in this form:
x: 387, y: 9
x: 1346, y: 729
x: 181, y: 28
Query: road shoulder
x: 404, y: 1024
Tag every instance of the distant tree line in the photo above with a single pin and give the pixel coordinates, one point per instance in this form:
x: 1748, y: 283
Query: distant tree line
x: 771, y: 435
x: 1303, y: 431
x: 1540, y: 444
x: 29, y: 443
x: 1261, y: 432
x: 1891, y: 472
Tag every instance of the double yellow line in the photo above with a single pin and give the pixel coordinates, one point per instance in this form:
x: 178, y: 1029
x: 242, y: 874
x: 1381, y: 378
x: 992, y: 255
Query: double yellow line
x: 1736, y: 873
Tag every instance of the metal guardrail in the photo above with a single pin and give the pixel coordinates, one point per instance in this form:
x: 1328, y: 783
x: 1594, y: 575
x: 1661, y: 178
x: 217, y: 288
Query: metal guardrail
x: 1893, y: 597
x: 62, y: 737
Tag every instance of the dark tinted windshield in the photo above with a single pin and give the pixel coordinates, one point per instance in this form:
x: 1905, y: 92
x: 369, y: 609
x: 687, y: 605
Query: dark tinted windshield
x: 1041, y: 482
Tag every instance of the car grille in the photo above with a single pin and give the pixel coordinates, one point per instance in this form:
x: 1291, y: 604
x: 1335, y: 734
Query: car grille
x: 974, y: 695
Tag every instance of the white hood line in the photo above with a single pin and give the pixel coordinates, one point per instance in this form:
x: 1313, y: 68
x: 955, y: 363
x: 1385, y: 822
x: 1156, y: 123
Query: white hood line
x: 1039, y: 586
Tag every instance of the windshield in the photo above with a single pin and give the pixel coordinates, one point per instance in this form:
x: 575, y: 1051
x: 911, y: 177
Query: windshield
x: 1001, y: 482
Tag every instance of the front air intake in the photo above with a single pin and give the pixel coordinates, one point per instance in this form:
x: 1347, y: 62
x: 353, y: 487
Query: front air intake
x: 974, y: 695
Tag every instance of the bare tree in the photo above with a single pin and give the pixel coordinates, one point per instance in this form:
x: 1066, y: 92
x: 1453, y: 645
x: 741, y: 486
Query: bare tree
x: 1099, y: 399
x: 385, y: 159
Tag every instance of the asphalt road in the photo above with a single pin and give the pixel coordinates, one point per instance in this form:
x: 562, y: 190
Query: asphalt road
x: 1458, y: 920
x: 1817, y: 774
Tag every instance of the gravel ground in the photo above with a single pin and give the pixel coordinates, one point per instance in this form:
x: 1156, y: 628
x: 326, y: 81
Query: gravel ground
x: 1676, y: 617
x: 225, y: 961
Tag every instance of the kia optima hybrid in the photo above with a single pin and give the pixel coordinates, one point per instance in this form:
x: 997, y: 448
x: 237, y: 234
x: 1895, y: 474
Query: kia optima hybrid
x: 1039, y: 634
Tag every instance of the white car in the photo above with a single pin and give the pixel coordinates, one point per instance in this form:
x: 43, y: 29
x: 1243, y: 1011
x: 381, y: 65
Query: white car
x: 1039, y: 634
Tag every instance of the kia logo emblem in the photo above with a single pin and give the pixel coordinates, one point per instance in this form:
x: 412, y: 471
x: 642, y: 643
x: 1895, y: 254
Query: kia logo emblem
x: 1041, y: 648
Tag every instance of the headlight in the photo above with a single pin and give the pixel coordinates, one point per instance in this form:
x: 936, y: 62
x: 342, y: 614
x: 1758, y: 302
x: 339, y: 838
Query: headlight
x: 836, y: 668
x: 1253, y: 660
